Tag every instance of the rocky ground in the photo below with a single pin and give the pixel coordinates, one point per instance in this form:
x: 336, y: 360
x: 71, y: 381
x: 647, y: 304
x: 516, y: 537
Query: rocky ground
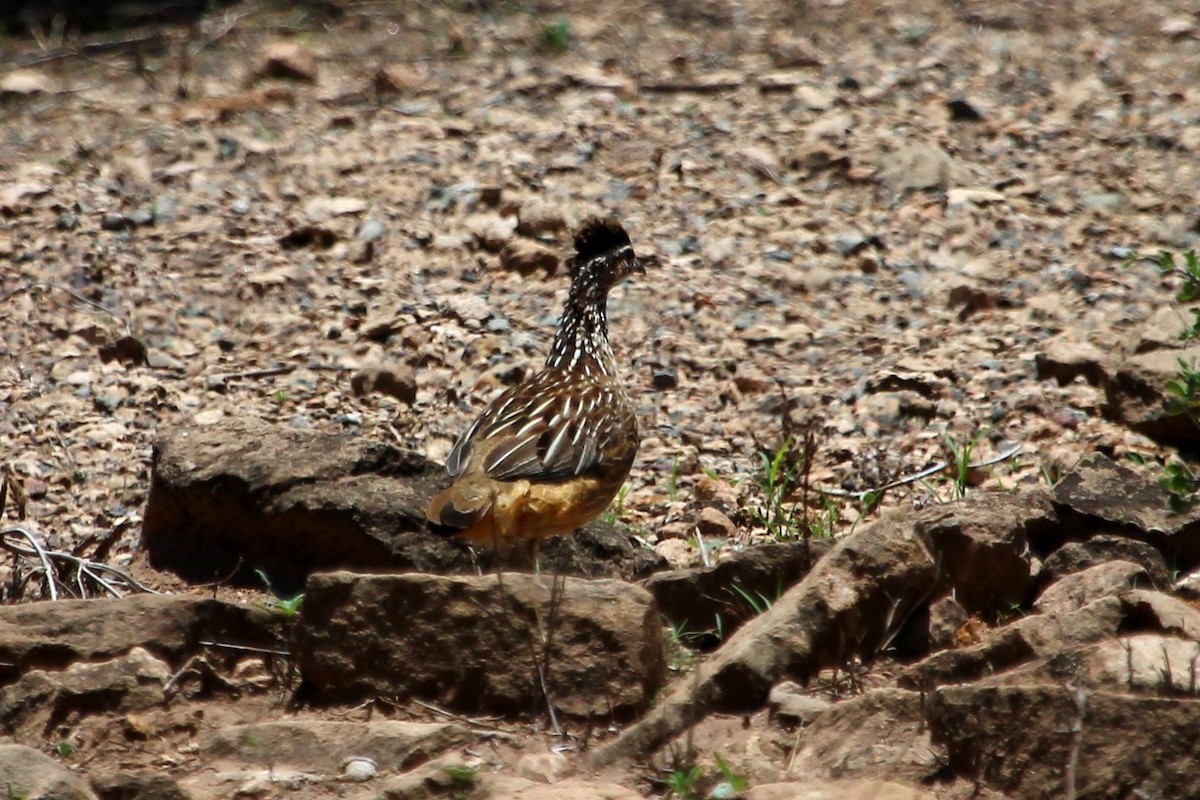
x: 281, y: 255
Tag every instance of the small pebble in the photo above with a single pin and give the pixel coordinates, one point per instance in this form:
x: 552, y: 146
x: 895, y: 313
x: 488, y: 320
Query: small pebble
x: 961, y: 110
x: 849, y: 243
x: 359, y: 769
x: 113, y: 222
x: 664, y: 378
x: 227, y: 148
x: 143, y: 216
x: 370, y: 230
x: 166, y: 209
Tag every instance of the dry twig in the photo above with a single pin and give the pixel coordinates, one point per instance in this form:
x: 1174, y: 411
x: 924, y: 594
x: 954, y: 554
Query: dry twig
x: 105, y: 576
x: 925, y: 473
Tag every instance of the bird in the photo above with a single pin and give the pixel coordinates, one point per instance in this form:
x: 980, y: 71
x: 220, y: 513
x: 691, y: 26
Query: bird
x: 549, y: 454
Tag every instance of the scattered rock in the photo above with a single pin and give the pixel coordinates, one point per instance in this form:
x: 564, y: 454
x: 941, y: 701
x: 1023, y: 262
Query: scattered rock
x: 1154, y: 611
x: 1102, y: 496
x: 1065, y: 360
x: 716, y: 524
x: 919, y: 166
x: 1017, y: 643
x: 24, y: 83
x: 469, y: 309
x: 397, y: 79
x: 876, y: 574
x: 879, y: 735
x: 1135, y: 396
x: 1018, y: 740
x: 288, y: 60
x: 145, y: 785
x: 41, y: 700
x: 25, y: 773
x: 473, y: 643
x: 1080, y: 588
x: 358, y: 769
x: 527, y: 257
x: 978, y: 197
x: 1178, y: 27
x: 445, y: 777
x: 736, y: 588
x: 324, y: 746
x: 1077, y: 556
x: 837, y: 790
x: 288, y: 501
x: 539, y: 217
x: 1161, y: 330
x: 320, y: 209
x: 395, y: 380
x: 790, y: 704
x: 544, y: 767
x: 573, y: 790
x: 52, y: 636
x: 759, y: 161
x: 370, y: 230
x: 1045, y: 636
x: 493, y: 233
x: 1144, y: 663
x: 982, y: 545
x: 360, y: 252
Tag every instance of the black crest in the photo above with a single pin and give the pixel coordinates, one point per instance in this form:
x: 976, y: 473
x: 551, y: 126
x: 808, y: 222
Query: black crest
x: 597, y: 236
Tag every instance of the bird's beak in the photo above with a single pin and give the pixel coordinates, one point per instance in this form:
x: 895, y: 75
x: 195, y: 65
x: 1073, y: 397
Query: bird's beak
x: 640, y: 263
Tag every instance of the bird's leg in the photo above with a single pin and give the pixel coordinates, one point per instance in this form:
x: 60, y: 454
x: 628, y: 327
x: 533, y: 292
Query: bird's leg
x: 525, y: 554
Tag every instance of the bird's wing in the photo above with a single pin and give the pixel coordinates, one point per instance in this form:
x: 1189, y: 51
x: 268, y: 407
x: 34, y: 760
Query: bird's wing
x: 551, y: 428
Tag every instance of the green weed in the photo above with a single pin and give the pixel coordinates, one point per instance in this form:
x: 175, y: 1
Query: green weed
x: 612, y: 514
x: 289, y: 607
x: 673, y: 481
x: 758, y: 602
x: 556, y: 36
x: 732, y: 784
x: 1179, y: 479
x: 682, y: 783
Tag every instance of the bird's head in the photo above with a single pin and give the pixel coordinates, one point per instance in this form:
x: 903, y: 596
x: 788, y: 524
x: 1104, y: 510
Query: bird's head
x: 604, y: 255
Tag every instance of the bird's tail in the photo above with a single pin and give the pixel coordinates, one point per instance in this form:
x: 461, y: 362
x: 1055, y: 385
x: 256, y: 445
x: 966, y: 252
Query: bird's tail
x: 459, y: 507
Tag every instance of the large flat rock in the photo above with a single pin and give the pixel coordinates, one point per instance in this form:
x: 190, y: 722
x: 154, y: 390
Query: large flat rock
x: 324, y: 745
x: 478, y: 644
x: 1023, y: 740
x: 231, y: 501
x: 248, y: 495
x: 54, y: 635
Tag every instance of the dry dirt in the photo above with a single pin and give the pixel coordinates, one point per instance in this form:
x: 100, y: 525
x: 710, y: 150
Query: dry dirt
x: 876, y: 213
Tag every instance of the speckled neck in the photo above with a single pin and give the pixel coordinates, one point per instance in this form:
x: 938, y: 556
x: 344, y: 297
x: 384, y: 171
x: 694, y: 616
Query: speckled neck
x: 581, y: 342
